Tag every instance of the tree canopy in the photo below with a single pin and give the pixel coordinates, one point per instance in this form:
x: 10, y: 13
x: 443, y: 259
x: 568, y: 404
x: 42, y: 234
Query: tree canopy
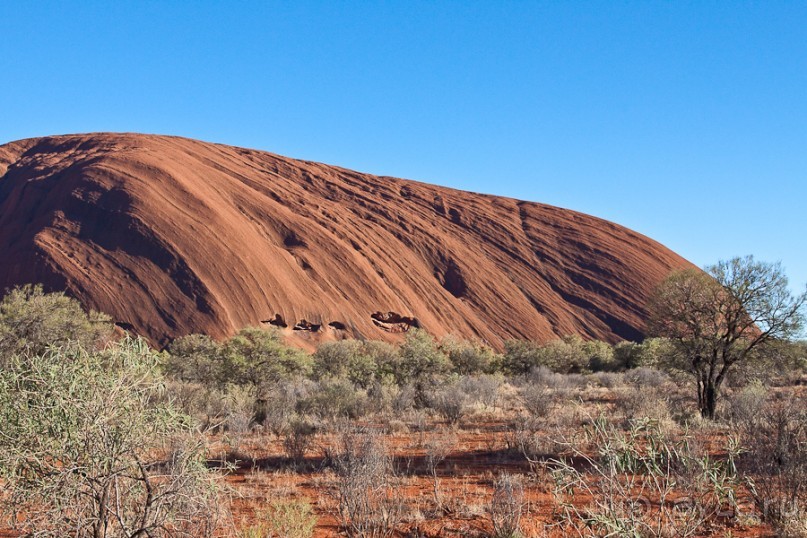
x: 724, y: 316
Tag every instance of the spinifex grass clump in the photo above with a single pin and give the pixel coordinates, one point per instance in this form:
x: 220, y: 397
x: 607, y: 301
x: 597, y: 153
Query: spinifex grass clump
x: 283, y: 518
x: 641, y: 483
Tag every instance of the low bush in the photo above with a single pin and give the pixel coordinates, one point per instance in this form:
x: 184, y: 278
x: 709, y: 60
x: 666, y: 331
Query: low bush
x: 467, y: 358
x: 450, y: 401
x: 335, y: 398
x: 368, y: 503
x: 609, y: 380
x: 437, y: 448
x: 635, y: 403
x: 747, y: 406
x: 282, y: 401
x: 403, y: 399
x: 207, y: 405
x: 537, y: 399
x: 298, y: 439
x: 240, y: 410
x: 507, y: 506
x: 290, y: 519
x: 484, y: 389
x: 644, y: 377
x: 775, y: 464
x: 543, y: 376
x: 535, y: 439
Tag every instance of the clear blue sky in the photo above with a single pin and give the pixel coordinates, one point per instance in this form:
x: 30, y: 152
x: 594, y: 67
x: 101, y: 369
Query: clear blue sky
x: 686, y: 121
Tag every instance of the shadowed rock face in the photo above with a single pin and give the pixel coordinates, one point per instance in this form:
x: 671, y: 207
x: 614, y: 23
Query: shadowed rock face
x: 171, y: 236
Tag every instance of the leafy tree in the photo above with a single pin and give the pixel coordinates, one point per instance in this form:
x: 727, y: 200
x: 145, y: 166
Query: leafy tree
x: 32, y: 320
x: 333, y: 398
x: 254, y: 361
x: 599, y: 356
x: 347, y: 359
x: 565, y: 355
x: 520, y: 357
x: 259, y: 357
x: 195, y: 358
x: 652, y: 352
x: 90, y: 448
x: 420, y: 359
x: 469, y: 358
x: 570, y: 354
x: 724, y: 317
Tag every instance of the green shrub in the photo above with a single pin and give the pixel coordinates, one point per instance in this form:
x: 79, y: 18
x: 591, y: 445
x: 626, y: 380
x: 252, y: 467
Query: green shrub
x: 345, y: 359
x: 195, y: 358
x: 89, y: 446
x: 32, y: 320
x: 520, y: 357
x: 652, y: 353
x: 599, y: 356
x: 253, y: 356
x: 565, y: 355
x: 419, y: 360
x: 570, y: 354
x: 335, y: 398
x: 258, y: 357
x: 468, y: 358
x: 385, y: 358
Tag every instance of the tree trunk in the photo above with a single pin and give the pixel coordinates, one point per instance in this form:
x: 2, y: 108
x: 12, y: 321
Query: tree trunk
x: 708, y: 403
x: 100, y: 526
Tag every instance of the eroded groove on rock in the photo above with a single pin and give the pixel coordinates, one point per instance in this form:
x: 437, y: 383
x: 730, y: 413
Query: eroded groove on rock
x: 305, y: 325
x: 453, y: 281
x: 393, y: 322
x: 277, y: 321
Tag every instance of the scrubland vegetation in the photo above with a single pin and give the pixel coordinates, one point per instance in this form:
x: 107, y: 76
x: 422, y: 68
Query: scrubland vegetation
x: 101, y: 436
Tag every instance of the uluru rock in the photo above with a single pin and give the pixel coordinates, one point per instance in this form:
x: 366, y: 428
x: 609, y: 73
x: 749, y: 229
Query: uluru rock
x: 171, y: 236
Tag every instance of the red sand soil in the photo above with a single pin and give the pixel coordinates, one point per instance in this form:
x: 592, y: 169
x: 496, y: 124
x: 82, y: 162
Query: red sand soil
x: 172, y: 236
x: 464, y: 488
x: 465, y: 480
